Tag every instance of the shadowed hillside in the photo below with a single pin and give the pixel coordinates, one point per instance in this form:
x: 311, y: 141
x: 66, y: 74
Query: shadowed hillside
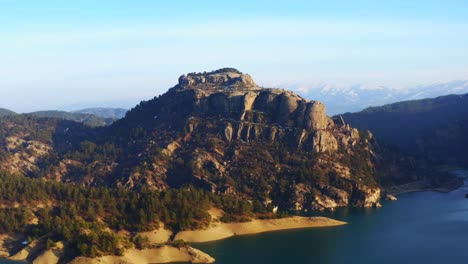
x: 433, y: 128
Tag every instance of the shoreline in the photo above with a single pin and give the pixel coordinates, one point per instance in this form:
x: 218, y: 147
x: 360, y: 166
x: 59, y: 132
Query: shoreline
x: 168, y: 254
x: 439, y: 190
x: 422, y: 186
x: 163, y: 254
x: 162, y: 251
x: 219, y: 231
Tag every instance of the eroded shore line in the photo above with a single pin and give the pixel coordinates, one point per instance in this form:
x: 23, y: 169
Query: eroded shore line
x: 167, y: 254
x: 218, y: 231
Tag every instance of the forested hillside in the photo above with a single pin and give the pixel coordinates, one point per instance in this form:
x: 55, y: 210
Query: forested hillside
x: 215, y: 139
x: 88, y: 119
x: 6, y: 112
x: 88, y: 219
x: 216, y: 131
x: 432, y: 128
x: 113, y: 113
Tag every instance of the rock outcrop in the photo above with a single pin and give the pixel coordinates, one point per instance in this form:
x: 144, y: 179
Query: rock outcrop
x: 228, y: 78
x: 236, y: 138
x: 325, y: 141
x: 218, y: 131
x: 229, y: 93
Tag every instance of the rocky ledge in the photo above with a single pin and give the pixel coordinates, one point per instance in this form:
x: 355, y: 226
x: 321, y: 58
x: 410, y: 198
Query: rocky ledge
x: 226, y: 79
x: 237, y: 138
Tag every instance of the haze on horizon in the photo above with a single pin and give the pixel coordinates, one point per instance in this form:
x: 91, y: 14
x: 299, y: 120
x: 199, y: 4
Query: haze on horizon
x: 58, y: 54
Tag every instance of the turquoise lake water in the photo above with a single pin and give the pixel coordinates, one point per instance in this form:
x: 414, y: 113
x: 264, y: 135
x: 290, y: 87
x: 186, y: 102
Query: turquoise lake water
x: 423, y: 227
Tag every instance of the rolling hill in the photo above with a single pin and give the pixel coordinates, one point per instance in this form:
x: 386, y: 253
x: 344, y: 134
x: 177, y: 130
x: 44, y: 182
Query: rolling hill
x: 433, y: 128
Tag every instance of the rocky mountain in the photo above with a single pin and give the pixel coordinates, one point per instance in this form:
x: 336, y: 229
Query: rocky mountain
x: 217, y: 131
x: 353, y: 98
x: 93, y: 117
x: 216, y: 146
x: 220, y: 131
x: 104, y: 112
x: 431, y: 128
x: 6, y: 112
x: 30, y: 145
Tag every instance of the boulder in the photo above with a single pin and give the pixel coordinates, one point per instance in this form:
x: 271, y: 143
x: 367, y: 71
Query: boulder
x: 228, y: 79
x: 228, y: 132
x: 315, y: 116
x: 287, y: 105
x: 324, y: 141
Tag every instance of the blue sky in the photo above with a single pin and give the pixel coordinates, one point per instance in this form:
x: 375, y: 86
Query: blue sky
x: 72, y: 54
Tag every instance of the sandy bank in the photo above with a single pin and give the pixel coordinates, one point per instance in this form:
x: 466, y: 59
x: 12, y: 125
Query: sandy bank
x: 159, y: 236
x: 164, y: 254
x: 219, y: 231
x: 50, y: 256
x: 36, y: 252
x: 3, y: 248
x: 30, y: 250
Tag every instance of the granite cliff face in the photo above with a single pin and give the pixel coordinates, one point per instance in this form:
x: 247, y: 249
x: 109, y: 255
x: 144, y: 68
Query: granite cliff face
x: 230, y: 136
x: 218, y: 131
x: 248, y: 111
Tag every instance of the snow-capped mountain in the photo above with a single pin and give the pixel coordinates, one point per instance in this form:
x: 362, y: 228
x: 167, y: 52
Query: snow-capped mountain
x: 341, y: 99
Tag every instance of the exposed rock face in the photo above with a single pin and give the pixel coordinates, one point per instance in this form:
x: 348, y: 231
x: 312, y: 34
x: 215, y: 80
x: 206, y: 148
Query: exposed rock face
x: 390, y: 197
x: 325, y: 141
x: 316, y: 117
x: 228, y: 132
x: 228, y: 93
x: 24, y: 154
x: 223, y: 79
x: 330, y: 198
x: 199, y: 256
x: 354, y: 133
x: 244, y: 140
x: 221, y: 132
x: 367, y: 197
x: 360, y: 196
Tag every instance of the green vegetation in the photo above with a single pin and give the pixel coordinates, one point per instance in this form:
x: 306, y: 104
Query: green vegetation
x: 431, y: 129
x: 170, y: 143
x: 83, y: 216
x: 6, y: 112
x: 113, y: 113
x: 87, y: 119
x: 223, y: 70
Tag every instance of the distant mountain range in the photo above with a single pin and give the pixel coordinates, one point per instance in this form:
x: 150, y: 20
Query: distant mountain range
x: 87, y: 119
x: 342, y: 99
x: 114, y: 113
x: 6, y: 112
x: 93, y: 117
x: 435, y: 128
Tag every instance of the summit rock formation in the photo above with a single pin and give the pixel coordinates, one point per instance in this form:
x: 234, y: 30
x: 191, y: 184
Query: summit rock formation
x: 221, y: 132
x: 233, y: 137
